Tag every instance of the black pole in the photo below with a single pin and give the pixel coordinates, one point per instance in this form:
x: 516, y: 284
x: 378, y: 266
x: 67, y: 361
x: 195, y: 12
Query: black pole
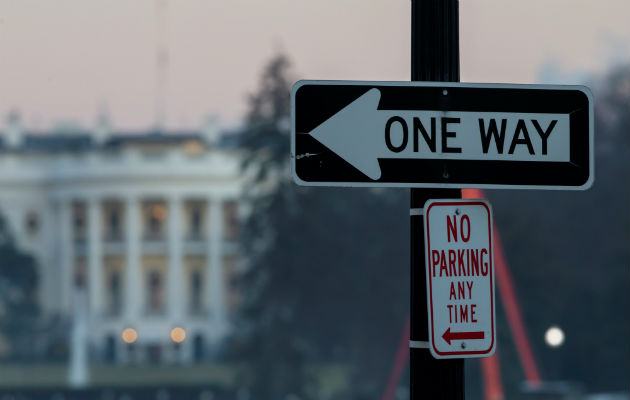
x: 434, y: 57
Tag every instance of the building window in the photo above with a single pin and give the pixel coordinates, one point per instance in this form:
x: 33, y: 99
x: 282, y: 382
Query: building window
x: 198, y: 348
x: 153, y: 155
x: 230, y: 220
x: 79, y: 273
x: 193, y: 148
x: 31, y: 223
x: 195, y: 292
x: 155, y: 293
x: 155, y: 218
x: 113, y: 227
x: 110, y: 349
x: 113, y: 224
x: 154, y: 353
x: 79, y: 221
x: 230, y: 275
x: 114, y: 293
x: 196, y: 221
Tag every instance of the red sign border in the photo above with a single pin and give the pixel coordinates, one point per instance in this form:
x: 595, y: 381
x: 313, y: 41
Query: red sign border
x: 451, y: 202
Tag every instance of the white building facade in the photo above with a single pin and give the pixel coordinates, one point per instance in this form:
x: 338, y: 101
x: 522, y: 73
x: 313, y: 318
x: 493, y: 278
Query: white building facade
x: 143, y: 226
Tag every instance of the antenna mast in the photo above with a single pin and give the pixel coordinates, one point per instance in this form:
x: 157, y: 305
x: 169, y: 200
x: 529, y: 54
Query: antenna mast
x: 161, y: 64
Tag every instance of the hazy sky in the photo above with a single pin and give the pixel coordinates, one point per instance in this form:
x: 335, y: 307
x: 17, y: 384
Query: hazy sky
x: 65, y: 60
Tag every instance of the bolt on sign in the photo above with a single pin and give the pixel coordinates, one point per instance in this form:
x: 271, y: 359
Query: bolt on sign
x: 460, y: 278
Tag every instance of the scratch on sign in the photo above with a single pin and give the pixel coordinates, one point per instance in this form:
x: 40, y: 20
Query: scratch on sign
x: 306, y: 155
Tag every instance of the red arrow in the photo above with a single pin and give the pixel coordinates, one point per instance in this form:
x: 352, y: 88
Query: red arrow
x: 448, y: 335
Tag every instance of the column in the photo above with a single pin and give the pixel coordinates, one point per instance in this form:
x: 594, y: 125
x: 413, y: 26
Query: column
x: 95, y: 257
x: 79, y: 367
x: 49, y: 257
x: 66, y: 259
x: 175, y: 272
x: 133, y: 289
x: 214, y: 271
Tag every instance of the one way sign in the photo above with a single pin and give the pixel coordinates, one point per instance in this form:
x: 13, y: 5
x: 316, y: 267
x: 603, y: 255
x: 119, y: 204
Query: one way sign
x: 435, y: 134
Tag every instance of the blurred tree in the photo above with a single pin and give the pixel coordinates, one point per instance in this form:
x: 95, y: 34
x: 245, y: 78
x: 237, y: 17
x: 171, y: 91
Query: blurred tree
x: 273, y: 348
x: 568, y: 253
x: 327, y: 269
x: 18, y: 291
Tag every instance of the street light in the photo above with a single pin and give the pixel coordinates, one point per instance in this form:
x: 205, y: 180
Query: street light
x: 554, y: 337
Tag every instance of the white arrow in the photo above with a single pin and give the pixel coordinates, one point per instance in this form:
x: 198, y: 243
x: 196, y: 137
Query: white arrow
x: 358, y: 133
x: 336, y: 133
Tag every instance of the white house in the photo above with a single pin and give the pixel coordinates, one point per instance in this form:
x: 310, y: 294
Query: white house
x: 144, y: 224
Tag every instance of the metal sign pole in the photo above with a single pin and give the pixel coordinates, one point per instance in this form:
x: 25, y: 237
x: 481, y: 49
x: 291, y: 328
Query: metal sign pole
x: 434, y: 57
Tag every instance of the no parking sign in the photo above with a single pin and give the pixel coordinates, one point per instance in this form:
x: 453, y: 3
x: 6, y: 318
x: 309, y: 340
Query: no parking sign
x: 460, y: 278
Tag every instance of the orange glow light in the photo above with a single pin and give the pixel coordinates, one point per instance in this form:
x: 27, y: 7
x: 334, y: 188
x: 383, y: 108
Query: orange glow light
x: 178, y: 335
x: 129, y: 335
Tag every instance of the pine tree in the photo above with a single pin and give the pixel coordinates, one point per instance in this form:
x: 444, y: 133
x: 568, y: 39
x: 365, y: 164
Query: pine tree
x: 327, y: 268
x: 273, y: 347
x: 18, y: 290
